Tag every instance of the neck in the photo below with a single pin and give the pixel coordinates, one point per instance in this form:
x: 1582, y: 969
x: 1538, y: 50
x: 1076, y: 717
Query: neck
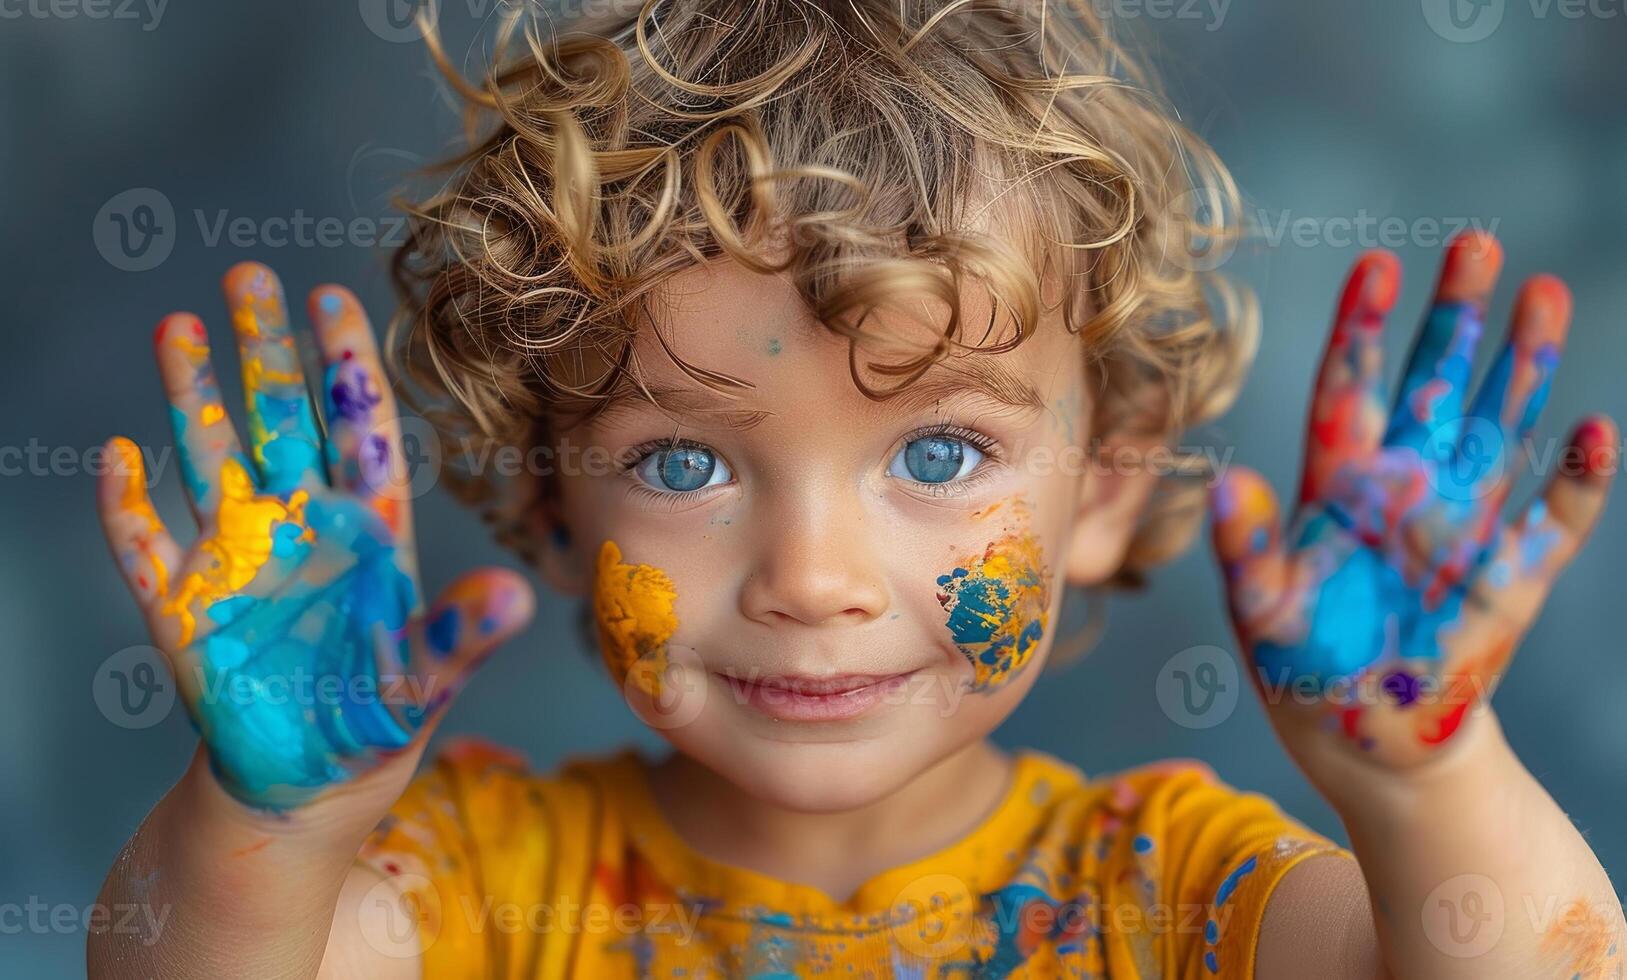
x: 834, y: 852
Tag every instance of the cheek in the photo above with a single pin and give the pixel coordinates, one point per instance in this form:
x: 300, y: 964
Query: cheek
x: 998, y: 600
x: 634, y: 608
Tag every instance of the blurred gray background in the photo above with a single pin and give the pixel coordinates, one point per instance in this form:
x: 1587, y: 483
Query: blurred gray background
x: 1343, y: 114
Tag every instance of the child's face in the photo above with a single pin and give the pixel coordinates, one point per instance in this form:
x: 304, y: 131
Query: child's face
x: 820, y: 595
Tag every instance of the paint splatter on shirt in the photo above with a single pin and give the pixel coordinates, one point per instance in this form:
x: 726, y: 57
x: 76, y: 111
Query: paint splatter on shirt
x: 1161, y: 871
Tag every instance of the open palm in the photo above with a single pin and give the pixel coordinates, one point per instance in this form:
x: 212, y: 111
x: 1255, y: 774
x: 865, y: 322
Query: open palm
x: 294, y: 624
x: 1393, y: 605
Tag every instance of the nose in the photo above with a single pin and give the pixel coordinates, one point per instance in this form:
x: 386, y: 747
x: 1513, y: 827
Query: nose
x: 816, y: 566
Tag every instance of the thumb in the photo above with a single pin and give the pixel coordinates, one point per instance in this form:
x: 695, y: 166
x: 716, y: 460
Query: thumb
x: 1248, y: 543
x: 465, y: 624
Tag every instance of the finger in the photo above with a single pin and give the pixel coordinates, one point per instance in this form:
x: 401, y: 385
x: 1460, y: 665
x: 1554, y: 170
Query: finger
x: 364, y: 431
x: 1515, y: 582
x: 469, y: 620
x: 1429, y: 404
x: 1491, y: 449
x: 1347, y: 410
x: 146, y: 554
x: 283, y: 437
x: 1553, y: 527
x: 204, y: 435
x: 1248, y: 543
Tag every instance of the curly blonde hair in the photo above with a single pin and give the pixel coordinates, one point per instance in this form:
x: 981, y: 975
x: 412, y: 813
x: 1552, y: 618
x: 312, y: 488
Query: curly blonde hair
x: 857, y: 148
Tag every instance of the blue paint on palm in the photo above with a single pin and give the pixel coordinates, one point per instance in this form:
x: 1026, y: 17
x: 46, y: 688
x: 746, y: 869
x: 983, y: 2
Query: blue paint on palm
x: 292, y: 697
x: 1363, y: 612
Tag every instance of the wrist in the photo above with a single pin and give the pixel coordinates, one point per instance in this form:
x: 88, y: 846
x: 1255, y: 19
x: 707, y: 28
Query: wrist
x: 327, y: 829
x: 1475, y: 770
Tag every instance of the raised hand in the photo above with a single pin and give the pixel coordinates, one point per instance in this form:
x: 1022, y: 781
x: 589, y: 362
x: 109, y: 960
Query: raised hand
x: 294, y: 624
x: 1398, y: 596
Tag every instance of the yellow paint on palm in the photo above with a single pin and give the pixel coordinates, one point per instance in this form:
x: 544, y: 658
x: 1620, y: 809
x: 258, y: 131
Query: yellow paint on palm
x: 998, y: 604
x: 249, y: 529
x: 633, y: 605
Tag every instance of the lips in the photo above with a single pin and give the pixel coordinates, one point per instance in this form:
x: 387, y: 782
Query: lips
x: 803, y: 697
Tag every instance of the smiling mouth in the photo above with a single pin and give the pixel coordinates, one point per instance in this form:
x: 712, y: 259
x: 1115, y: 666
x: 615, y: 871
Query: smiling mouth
x: 802, y: 697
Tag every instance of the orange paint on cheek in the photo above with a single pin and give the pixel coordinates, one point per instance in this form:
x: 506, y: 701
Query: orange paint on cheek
x: 633, y: 605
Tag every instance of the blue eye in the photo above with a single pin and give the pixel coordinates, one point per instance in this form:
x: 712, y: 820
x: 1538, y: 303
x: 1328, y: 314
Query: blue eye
x: 682, y: 469
x: 935, y: 459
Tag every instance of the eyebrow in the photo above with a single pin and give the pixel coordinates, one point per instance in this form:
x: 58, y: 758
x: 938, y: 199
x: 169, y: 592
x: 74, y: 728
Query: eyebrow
x: 963, y: 374
x: 950, y: 379
x: 690, y: 403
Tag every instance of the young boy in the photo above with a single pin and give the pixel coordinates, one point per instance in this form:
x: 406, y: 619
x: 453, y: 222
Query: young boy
x: 807, y: 316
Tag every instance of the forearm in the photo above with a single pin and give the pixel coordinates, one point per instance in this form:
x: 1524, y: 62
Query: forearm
x: 1474, y: 870
x: 222, y: 891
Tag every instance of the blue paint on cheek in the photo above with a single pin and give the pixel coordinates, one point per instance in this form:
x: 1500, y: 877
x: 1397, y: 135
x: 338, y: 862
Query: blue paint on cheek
x: 978, y: 613
x: 1030, y: 636
x: 442, y: 631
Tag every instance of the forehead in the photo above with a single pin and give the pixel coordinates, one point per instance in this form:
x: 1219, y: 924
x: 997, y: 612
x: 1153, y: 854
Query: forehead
x: 753, y: 336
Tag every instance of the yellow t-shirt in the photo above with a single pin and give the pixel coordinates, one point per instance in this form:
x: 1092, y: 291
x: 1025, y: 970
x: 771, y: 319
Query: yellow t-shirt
x: 1161, y: 871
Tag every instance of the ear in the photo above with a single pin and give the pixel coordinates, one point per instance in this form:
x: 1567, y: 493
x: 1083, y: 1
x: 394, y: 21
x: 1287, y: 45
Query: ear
x: 1112, y: 496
